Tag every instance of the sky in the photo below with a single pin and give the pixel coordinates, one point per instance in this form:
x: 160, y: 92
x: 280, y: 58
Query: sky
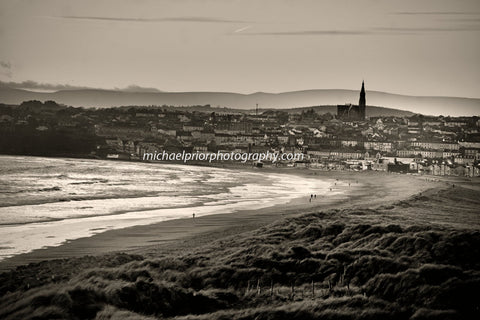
x: 412, y: 47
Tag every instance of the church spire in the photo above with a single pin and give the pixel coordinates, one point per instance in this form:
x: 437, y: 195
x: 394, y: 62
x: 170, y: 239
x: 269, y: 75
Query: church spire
x: 362, y: 102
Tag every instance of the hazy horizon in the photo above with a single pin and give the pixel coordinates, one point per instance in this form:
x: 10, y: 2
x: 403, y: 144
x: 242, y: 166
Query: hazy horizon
x: 52, y: 88
x: 427, y: 48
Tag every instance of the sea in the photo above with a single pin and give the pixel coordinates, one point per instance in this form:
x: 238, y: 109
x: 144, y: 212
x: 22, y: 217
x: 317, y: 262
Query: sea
x: 46, y: 202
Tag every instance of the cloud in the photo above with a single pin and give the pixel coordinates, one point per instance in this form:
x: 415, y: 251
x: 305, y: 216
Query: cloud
x: 6, y: 68
x: 370, y: 31
x: 5, y: 65
x: 412, y: 13
x: 429, y: 29
x: 135, y: 88
x: 33, y: 85
x: 468, y: 19
x: 169, y: 19
x: 242, y: 29
x: 309, y: 33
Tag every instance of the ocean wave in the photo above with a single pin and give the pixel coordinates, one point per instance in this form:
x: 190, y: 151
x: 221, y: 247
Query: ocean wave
x: 90, y: 182
x: 82, y: 212
x: 56, y: 188
x: 70, y: 199
x: 74, y: 198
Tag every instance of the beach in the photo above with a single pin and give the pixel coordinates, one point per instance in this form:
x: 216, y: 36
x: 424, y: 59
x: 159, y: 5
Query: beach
x: 349, y: 189
x: 362, y: 253
x: 364, y: 250
x: 47, y: 202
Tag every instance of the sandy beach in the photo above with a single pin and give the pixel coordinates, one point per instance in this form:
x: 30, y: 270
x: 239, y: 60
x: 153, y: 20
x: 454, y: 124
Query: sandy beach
x: 351, y: 189
x: 47, y: 206
x: 361, y: 253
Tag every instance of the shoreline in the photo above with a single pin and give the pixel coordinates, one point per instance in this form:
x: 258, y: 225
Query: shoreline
x: 373, y: 189
x: 145, y: 235
x: 397, y: 232
x: 242, y: 190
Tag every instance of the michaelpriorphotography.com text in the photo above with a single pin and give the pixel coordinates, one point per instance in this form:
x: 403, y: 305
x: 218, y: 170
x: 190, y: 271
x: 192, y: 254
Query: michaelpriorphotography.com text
x: 243, y: 157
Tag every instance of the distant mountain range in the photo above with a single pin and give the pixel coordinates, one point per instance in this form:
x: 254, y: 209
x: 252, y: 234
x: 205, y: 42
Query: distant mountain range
x: 453, y: 106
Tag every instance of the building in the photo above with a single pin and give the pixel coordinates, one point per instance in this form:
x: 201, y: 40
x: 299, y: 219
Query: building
x: 398, y: 167
x: 349, y: 112
x: 439, y: 146
x: 230, y: 127
x: 378, y: 146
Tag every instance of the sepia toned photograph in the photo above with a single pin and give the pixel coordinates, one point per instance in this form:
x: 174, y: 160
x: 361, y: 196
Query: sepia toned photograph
x: 239, y: 159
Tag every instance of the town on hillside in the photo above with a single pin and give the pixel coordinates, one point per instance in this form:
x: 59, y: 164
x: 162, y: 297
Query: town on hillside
x: 347, y: 140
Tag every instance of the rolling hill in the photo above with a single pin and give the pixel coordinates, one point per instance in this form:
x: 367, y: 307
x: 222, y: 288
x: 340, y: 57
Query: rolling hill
x: 453, y: 106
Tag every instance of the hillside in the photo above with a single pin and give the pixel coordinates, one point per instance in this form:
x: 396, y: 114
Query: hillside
x: 372, y: 111
x: 452, y: 106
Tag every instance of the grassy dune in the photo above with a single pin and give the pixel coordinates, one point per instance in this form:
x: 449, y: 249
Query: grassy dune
x: 414, y: 259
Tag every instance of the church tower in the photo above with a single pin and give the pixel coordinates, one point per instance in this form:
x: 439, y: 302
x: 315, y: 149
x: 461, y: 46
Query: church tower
x: 350, y: 112
x: 362, y: 102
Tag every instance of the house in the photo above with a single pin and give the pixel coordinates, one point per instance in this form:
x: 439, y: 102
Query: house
x: 147, y: 147
x: 203, y: 136
x: 222, y: 138
x: 115, y: 143
x: 434, y: 145
x: 471, y: 153
x: 282, y: 139
x: 168, y: 132
x: 346, y: 155
x: 349, y: 143
x: 378, y: 146
x: 190, y: 128
x: 430, y: 154
x: 129, y: 147
x: 5, y: 118
x: 467, y: 144
x: 406, y: 153
x: 41, y: 128
x: 398, y: 167
x: 233, y: 127
x: 184, y: 136
x: 455, y: 123
x: 183, y: 118
x: 367, y: 132
x: 318, y: 155
x: 202, y: 149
